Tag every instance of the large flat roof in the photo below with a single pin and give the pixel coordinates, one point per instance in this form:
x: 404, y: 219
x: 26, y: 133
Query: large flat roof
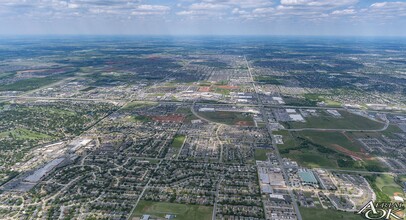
x: 307, y: 176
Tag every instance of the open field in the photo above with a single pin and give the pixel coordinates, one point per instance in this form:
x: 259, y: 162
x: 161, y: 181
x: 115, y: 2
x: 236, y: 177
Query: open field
x: 138, y: 104
x: 268, y: 80
x: 322, y: 214
x: 229, y: 118
x: 25, y: 134
x: 326, y: 149
x: 28, y: 84
x: 260, y: 154
x: 178, y: 141
x: 347, y: 121
x: 182, y: 211
x: 331, y: 139
x: 288, y: 139
x: 314, y: 97
x: 313, y: 159
x: 185, y: 111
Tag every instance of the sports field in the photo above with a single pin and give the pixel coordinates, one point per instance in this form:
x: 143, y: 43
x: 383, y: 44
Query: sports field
x: 182, y: 211
x: 388, y: 185
x: 384, y: 187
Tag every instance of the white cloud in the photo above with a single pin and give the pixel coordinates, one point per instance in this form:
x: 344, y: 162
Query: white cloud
x: 263, y: 10
x: 344, y: 12
x: 318, y: 3
x: 237, y: 11
x: 242, y: 3
x: 153, y: 8
x: 207, y: 6
x: 389, y: 5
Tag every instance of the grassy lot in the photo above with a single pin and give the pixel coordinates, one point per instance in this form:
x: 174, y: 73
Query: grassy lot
x: 290, y: 100
x: 138, y: 104
x: 312, y: 159
x: 28, y: 84
x: 330, y: 139
x: 322, y: 214
x: 140, y: 118
x: 229, y: 118
x: 182, y: 211
x: 189, y: 116
x: 315, y: 97
x: 325, y: 149
x: 260, y: 154
x: 391, y: 130
x: 347, y: 121
x: 268, y: 80
x: 401, y: 178
x: 177, y: 141
x: 288, y: 139
x: 222, y: 91
x: 24, y: 134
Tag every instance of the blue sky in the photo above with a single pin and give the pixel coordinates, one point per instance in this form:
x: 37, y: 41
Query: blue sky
x: 207, y: 17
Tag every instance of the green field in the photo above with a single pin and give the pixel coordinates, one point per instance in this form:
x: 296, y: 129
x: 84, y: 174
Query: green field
x: 260, y: 154
x: 323, y: 214
x: 391, y: 130
x: 28, y: 84
x: 140, y: 118
x: 24, y: 134
x: 310, y: 99
x: 325, y: 149
x: 313, y: 159
x: 229, y: 118
x: 288, y: 139
x: 268, y: 80
x: 384, y: 186
x: 222, y: 91
x: 182, y: 211
x: 138, y: 104
x: 189, y: 116
x: 330, y: 139
x: 315, y: 97
x: 325, y: 120
x: 177, y: 141
x: 388, y: 185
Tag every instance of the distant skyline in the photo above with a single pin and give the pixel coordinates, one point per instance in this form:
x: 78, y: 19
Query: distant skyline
x: 203, y: 17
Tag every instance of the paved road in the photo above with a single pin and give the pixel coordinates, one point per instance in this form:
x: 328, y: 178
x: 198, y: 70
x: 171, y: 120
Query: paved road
x: 265, y: 118
x: 213, y: 217
x: 5, y: 97
x: 143, y: 191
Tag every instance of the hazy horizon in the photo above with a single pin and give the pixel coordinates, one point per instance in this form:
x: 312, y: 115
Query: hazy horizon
x: 204, y: 17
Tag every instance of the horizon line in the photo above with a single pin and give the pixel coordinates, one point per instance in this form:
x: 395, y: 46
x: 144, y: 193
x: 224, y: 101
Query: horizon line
x: 201, y: 35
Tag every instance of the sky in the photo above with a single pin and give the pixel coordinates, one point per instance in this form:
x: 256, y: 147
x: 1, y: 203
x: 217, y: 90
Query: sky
x: 204, y: 17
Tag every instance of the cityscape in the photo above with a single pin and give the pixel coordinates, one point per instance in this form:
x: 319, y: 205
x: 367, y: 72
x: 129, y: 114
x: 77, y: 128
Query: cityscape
x: 240, y: 128
x: 202, y: 110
